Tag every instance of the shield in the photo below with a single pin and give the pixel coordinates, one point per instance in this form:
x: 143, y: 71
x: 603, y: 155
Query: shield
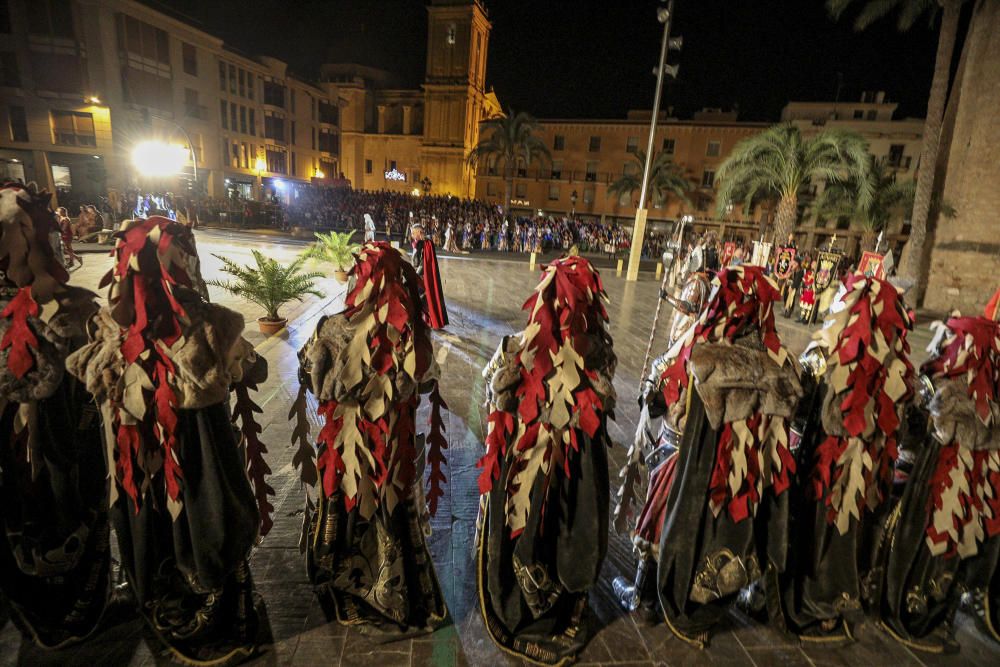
x: 783, y: 263
x: 872, y: 264
x: 826, y: 270
x: 761, y: 253
x: 728, y: 250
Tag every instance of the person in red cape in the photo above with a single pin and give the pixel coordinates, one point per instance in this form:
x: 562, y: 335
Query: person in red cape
x: 161, y: 364
x: 721, y: 504
x: 545, y: 490
x: 425, y: 262
x: 365, y: 522
x: 943, y: 541
x: 55, y: 553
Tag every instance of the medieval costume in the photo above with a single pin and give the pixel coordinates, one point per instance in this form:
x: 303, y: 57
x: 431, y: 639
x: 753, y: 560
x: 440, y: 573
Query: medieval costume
x: 161, y: 364
x: 425, y: 262
x: 54, y: 549
x: 807, y: 293
x: 365, y: 543
x: 725, y: 507
x: 543, y: 525
x: 858, y: 378
x: 658, y: 449
x: 943, y: 540
x: 792, y: 287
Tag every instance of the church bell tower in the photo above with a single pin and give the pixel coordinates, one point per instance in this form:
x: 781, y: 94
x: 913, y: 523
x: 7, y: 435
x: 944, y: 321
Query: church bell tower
x: 455, y: 101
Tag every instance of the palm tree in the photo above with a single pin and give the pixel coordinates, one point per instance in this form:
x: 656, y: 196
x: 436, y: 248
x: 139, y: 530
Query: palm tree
x: 889, y: 196
x: 665, y: 178
x: 509, y: 143
x: 913, y: 264
x: 779, y: 162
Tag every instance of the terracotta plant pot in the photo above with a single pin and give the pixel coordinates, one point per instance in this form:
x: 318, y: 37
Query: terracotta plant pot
x: 340, y: 276
x: 270, y: 327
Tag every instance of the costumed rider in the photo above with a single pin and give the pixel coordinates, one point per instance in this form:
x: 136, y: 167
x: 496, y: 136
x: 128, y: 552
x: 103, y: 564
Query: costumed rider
x: 424, y: 260
x: 655, y: 449
x: 161, y: 364
x: 543, y: 522
x: 365, y: 523
x: 943, y: 540
x: 720, y: 505
x: 857, y: 379
x: 54, y: 534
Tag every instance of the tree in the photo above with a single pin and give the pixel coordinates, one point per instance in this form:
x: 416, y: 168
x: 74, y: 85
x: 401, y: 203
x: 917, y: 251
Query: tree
x: 509, y: 143
x: 665, y: 178
x: 914, y: 263
x: 888, y: 196
x: 778, y: 163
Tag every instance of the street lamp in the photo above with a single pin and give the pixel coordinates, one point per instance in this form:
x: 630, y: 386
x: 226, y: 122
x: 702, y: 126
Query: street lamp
x: 158, y: 159
x: 572, y: 200
x: 664, y: 15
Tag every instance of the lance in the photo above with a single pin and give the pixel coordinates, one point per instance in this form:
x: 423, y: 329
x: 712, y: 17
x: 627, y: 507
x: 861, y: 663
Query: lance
x: 659, y: 304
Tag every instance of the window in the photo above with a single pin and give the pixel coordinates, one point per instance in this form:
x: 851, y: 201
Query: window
x: 559, y: 143
x: 191, y: 107
x: 859, y: 114
x: 557, y: 166
x: 253, y: 123
x: 312, y: 107
x: 232, y: 117
x: 189, y: 55
x: 232, y: 79
x: 708, y: 179
x: 245, y: 154
x: 632, y: 144
x: 243, y: 83
x: 491, y: 189
x: 50, y: 17
x: 143, y: 39
x: 668, y: 146
x: 236, y: 154
x: 521, y: 190
x: 243, y: 119
x: 4, y: 18
x: 714, y: 148
x: 291, y: 99
x: 392, y: 165
x: 9, y: 75
x: 72, y: 128
x: 293, y: 164
x: 251, y: 83
x: 630, y: 168
x: 328, y: 141
x: 222, y: 76
x: 276, y: 161
x: 368, y: 166
x: 274, y: 94
x: 274, y: 128
x: 871, y: 115
x: 595, y: 144
x: 292, y: 135
x: 591, y: 171
x: 18, y: 124
x: 896, y: 154
x: 329, y: 113
x: 843, y: 222
x: 222, y: 114
x: 588, y: 195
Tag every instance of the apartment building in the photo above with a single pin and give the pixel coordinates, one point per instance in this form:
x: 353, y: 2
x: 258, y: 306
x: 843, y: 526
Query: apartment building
x: 82, y: 82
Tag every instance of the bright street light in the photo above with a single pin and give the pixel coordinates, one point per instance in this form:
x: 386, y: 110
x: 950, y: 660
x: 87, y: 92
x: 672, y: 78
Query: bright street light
x: 157, y: 159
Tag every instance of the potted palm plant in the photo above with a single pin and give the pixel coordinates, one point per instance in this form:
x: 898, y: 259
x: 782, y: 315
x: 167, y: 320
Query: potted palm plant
x: 270, y: 285
x: 337, y: 249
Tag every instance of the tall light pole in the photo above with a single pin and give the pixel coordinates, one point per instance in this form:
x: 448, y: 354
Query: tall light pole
x: 194, y: 156
x: 664, y: 15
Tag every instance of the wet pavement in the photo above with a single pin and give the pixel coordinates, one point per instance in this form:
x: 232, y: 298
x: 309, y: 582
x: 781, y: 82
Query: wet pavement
x: 484, y: 298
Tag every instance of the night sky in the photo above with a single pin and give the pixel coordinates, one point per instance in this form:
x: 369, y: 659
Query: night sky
x: 593, y: 59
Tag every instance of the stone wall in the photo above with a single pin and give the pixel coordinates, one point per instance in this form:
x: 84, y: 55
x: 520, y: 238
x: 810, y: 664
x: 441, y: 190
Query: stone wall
x: 965, y: 259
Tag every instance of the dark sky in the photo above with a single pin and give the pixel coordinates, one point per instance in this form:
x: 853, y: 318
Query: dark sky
x: 587, y: 58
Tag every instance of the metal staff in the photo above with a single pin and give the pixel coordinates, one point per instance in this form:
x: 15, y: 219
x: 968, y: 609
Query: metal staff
x: 659, y: 304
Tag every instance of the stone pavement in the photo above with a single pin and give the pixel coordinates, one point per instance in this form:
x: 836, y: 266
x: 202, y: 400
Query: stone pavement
x: 484, y: 300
